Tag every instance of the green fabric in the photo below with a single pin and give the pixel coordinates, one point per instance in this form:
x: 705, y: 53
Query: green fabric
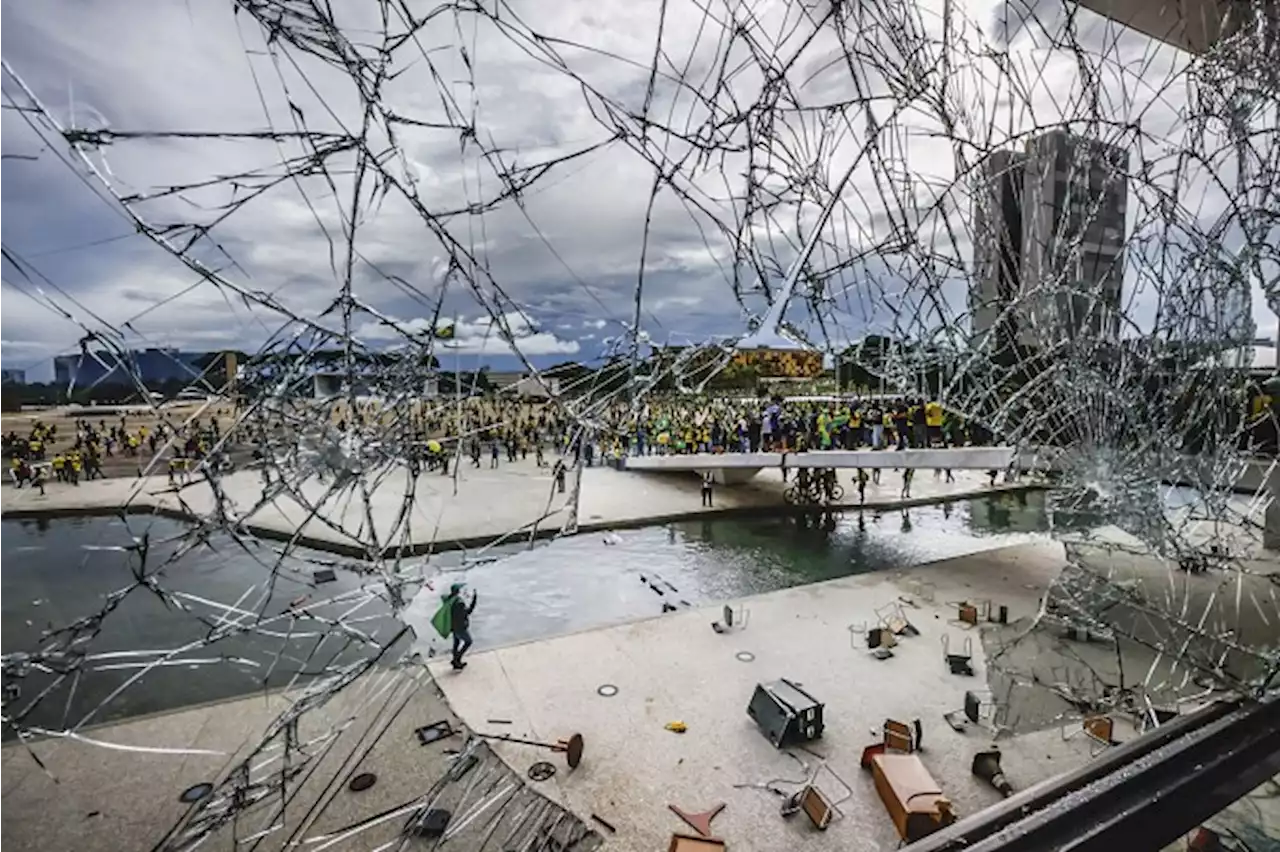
x: 442, y: 621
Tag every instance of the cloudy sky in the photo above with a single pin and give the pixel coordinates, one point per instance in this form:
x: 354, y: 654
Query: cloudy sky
x: 506, y: 182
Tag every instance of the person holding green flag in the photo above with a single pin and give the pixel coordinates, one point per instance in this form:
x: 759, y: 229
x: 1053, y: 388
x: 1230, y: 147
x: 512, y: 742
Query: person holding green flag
x: 454, y: 617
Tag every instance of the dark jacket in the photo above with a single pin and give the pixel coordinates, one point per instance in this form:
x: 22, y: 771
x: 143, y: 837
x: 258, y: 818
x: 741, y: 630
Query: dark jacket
x: 460, y: 612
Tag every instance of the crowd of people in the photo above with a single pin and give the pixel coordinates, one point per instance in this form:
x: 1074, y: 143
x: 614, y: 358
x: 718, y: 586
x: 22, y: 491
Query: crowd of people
x: 781, y: 425
x: 483, y: 432
x: 40, y: 454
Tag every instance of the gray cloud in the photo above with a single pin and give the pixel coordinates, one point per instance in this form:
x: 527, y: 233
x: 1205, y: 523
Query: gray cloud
x: 568, y: 255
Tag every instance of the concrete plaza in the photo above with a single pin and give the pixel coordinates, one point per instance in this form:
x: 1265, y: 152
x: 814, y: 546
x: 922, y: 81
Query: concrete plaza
x: 481, y: 506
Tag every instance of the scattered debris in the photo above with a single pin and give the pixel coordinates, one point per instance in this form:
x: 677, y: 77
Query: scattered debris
x: 434, y: 732
x: 604, y: 823
x: 958, y: 664
x: 894, y: 619
x: 967, y: 613
x: 432, y: 823
x: 901, y: 736
x: 880, y: 637
x: 571, y: 748
x: 911, y: 796
x: 785, y: 712
x: 363, y: 781
x: 606, y: 690
x: 541, y: 771
x: 699, y: 822
x: 690, y: 843
x: 731, y: 619
x: 323, y: 575
x: 676, y: 727
x: 745, y: 656
x: 986, y: 765
x: 972, y: 712
x: 498, y: 721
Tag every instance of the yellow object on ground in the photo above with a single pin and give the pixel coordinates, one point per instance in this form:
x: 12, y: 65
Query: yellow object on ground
x: 677, y: 727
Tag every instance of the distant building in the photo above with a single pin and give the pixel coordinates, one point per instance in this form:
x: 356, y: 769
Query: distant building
x: 13, y: 377
x: 502, y: 380
x: 152, y: 366
x: 328, y: 385
x: 1049, y: 241
x: 997, y: 226
x: 530, y: 387
x: 1074, y: 197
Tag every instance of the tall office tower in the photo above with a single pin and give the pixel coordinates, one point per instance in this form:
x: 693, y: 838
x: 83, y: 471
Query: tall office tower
x: 1073, y: 236
x: 997, y: 240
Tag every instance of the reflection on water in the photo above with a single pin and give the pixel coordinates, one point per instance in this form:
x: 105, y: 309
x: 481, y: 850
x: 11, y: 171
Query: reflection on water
x: 55, y: 572
x: 63, y: 574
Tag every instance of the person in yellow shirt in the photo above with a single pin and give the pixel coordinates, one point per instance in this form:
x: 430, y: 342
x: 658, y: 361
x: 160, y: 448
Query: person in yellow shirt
x: 933, y: 420
x: 60, y: 468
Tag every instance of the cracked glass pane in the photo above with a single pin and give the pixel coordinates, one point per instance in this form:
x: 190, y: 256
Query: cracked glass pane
x: 796, y: 226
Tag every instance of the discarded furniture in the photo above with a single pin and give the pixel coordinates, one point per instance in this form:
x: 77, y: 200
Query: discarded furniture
x: 690, y: 843
x: 979, y: 709
x: 699, y: 822
x: 817, y: 807
x: 1099, y: 728
x: 911, y: 796
x: 570, y: 748
x: 817, y: 799
x: 959, y: 663
x: 880, y: 637
x: 785, y: 713
x: 986, y: 765
x: 434, y: 732
x: 901, y: 736
x: 879, y: 640
x: 893, y: 618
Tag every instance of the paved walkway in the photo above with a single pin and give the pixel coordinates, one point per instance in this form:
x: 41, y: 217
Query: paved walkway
x: 100, y: 796
x: 515, y: 500
x: 676, y: 668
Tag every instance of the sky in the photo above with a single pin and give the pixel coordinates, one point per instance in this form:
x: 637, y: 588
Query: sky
x: 562, y: 99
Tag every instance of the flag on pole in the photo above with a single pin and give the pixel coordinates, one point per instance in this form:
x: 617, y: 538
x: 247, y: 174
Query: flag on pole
x: 446, y: 332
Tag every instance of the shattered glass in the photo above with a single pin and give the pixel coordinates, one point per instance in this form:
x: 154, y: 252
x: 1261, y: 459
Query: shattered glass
x: 836, y: 163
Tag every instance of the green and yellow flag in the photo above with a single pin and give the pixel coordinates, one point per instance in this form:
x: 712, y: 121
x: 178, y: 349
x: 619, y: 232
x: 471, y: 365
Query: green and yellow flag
x: 446, y: 332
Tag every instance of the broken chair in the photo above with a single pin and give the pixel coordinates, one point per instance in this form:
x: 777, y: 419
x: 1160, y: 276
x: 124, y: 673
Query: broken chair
x: 902, y: 736
x: 958, y: 663
x: 979, y: 709
x: 971, y: 613
x: 816, y: 799
x: 879, y: 640
x: 1099, y: 728
x: 892, y: 617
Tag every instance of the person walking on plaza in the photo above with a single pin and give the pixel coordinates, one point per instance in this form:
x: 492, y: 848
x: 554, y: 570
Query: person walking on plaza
x: 708, y: 481
x: 460, y: 623
x: 862, y: 486
x: 907, y: 473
